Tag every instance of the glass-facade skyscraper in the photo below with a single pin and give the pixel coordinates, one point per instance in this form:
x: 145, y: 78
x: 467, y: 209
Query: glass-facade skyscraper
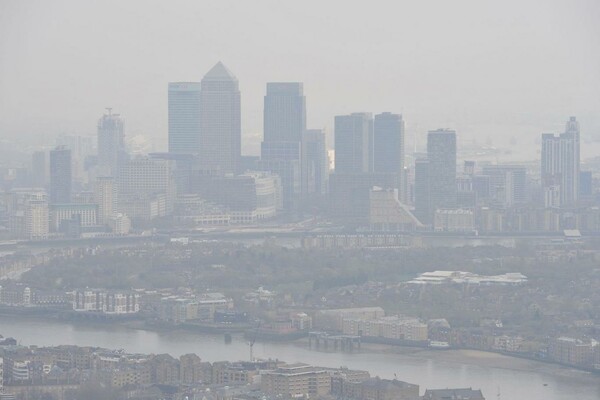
x: 388, y: 143
x: 354, y: 143
x: 281, y: 149
x: 441, y: 154
x: 284, y: 112
x: 184, y: 117
x: 60, y: 175
x: 220, y: 139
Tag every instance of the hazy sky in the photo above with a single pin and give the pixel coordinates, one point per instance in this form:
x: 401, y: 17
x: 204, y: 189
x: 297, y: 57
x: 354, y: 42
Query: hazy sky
x: 486, y: 68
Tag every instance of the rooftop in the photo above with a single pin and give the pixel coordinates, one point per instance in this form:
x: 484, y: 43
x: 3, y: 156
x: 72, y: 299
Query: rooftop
x: 219, y: 73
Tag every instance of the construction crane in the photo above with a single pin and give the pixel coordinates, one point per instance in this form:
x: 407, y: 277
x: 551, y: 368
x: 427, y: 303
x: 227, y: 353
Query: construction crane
x: 252, y: 341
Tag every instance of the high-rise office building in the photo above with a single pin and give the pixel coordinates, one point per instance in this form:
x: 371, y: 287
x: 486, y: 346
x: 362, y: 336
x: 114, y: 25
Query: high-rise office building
x: 353, y: 143
x: 146, y: 187
x: 422, y: 192
x: 105, y: 195
x: 220, y: 121
x: 441, y: 153
x: 110, y: 143
x: 586, y: 184
x: 283, y: 159
x: 184, y: 117
x: 60, y: 175
x: 284, y: 112
x: 561, y: 164
x: 388, y: 143
x: 39, y: 169
x: 281, y: 150
x: 315, y: 163
x: 507, y: 183
x: 36, y: 219
x: 388, y: 148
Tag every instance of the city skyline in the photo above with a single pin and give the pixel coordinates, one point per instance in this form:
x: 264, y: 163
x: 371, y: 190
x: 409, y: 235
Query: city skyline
x: 406, y: 82
x: 193, y: 192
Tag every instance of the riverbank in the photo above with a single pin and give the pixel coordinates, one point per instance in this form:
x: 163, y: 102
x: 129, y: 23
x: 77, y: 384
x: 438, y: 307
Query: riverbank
x: 476, y: 358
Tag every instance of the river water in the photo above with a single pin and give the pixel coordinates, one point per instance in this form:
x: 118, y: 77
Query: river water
x: 537, y: 382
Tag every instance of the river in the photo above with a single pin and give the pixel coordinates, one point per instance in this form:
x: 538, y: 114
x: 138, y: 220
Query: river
x: 514, y: 379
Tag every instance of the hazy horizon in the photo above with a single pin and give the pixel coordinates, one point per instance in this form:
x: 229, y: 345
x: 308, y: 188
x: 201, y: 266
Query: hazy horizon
x: 499, y: 71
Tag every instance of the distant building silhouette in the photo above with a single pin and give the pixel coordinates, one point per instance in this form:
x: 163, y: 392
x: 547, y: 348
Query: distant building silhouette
x: 560, y: 166
x: 284, y: 112
x: 281, y: 149
x: 110, y: 143
x: 508, y: 184
x: 353, y: 143
x: 423, y: 209
x: 388, y: 147
x: 315, y: 163
x: 184, y: 117
x: 60, y: 175
x: 441, y: 153
x: 39, y: 169
x: 388, y: 143
x: 220, y: 121
x: 105, y: 194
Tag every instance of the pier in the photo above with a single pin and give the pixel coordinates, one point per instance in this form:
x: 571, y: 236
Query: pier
x: 325, y: 341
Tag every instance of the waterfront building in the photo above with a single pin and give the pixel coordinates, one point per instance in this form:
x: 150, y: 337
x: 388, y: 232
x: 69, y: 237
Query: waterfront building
x: 444, y: 394
x: 106, y: 302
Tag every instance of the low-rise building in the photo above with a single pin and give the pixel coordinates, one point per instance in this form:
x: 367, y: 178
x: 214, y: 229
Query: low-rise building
x: 393, y: 327
x: 375, y: 389
x: 333, y: 320
x: 454, y: 220
x: 86, y: 214
x: 107, y: 302
x: 454, y: 394
x: 296, y: 380
x: 301, y: 321
x: 572, y: 351
x: 461, y: 277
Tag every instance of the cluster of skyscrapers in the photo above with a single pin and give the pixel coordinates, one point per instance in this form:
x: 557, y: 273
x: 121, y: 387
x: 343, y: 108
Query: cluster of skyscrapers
x: 203, y: 179
x: 204, y: 125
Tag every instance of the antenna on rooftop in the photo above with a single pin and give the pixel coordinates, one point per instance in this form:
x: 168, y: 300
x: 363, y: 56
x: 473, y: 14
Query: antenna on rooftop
x: 109, y: 109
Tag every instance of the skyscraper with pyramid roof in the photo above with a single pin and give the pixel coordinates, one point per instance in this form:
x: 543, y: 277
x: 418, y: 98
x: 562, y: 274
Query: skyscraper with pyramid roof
x: 220, y: 121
